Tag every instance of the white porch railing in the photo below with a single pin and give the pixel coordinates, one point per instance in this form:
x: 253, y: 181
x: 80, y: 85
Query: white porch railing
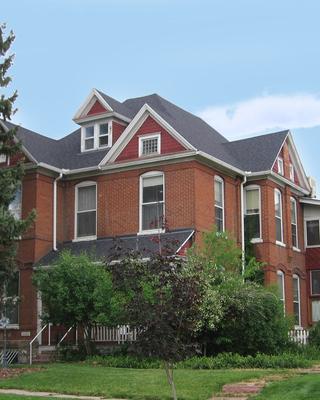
x: 121, y: 334
x: 299, y: 336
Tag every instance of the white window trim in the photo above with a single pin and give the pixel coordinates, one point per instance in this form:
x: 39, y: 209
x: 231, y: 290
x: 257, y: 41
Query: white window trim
x: 218, y: 178
x: 292, y: 172
x: 295, y: 276
x: 280, y: 166
x: 306, y: 233
x: 280, y: 242
x: 79, y: 185
x: 142, y: 138
x: 96, y: 126
x: 281, y: 273
x: 148, y: 175
x: 254, y: 187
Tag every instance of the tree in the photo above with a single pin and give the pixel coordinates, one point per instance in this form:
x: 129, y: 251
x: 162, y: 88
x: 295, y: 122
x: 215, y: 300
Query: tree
x: 161, y: 301
x: 237, y: 315
x: 77, y: 290
x: 10, y: 177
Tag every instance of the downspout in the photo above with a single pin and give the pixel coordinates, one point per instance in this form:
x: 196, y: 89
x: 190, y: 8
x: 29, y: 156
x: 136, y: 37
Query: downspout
x: 55, y: 201
x: 242, y: 223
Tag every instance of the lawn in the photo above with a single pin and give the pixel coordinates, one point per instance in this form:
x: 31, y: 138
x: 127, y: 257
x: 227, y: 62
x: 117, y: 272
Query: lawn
x: 89, y: 380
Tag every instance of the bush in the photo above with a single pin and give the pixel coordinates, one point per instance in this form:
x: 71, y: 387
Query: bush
x: 314, y: 336
x: 67, y: 352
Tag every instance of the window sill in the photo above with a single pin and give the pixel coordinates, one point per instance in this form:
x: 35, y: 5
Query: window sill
x: 257, y: 240
x: 10, y: 327
x: 84, y: 239
x: 151, y: 232
x: 296, y: 249
x: 280, y: 243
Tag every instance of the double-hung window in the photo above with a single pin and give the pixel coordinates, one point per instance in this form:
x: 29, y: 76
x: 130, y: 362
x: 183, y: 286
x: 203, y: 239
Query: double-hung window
x: 219, y: 203
x: 16, y: 205
x: 152, y: 201
x: 313, y: 233
x: 278, y: 215
x: 252, y: 212
x: 281, y: 286
x: 86, y: 210
x: 149, y: 144
x: 315, y: 291
x: 294, y: 224
x: 296, y: 299
x: 280, y: 166
x: 96, y: 136
x: 11, y: 290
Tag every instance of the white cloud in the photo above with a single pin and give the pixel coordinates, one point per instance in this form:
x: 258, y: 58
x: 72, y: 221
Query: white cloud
x: 264, y: 114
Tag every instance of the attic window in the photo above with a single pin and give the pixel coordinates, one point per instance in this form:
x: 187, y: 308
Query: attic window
x: 280, y: 166
x: 96, y: 136
x: 149, y: 144
x: 291, y: 172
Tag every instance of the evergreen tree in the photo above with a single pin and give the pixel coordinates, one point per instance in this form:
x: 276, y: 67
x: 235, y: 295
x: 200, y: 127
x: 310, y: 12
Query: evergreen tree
x: 10, y: 176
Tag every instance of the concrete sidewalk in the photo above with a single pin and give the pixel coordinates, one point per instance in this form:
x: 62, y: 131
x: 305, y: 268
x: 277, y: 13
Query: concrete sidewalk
x: 52, y: 395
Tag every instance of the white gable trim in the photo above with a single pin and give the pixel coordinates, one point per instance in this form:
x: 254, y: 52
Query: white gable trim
x: 134, y: 126
x: 297, y: 164
x: 89, y: 102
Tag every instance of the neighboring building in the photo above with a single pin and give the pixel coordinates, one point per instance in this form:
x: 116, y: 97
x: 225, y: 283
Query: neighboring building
x: 130, y: 163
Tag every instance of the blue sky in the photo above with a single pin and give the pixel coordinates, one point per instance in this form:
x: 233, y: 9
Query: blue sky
x: 246, y: 67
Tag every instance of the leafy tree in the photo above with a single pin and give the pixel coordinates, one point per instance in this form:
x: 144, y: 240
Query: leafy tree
x: 77, y: 290
x: 237, y: 315
x: 10, y: 177
x: 161, y: 301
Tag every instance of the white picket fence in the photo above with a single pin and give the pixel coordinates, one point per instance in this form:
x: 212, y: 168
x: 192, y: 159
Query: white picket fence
x: 299, y: 336
x: 120, y: 335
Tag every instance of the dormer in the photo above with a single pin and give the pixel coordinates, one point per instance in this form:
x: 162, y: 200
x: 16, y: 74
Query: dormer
x: 100, y: 124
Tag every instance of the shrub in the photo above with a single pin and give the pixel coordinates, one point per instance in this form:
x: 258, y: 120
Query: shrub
x: 314, y: 336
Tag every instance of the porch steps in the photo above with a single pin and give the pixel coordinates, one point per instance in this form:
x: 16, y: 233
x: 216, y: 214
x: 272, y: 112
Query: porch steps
x: 45, y: 357
x: 239, y: 391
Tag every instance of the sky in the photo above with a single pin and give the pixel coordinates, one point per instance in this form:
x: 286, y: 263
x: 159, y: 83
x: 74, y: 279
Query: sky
x: 247, y: 67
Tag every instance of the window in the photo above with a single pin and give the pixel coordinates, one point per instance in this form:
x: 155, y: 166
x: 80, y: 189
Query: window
x: 149, y: 144
x: 280, y: 166
x: 313, y: 236
x: 96, y: 136
x: 3, y: 158
x: 219, y: 203
x: 296, y: 299
x: 86, y: 210
x: 315, y: 282
x: 278, y: 213
x: 152, y: 201
x: 16, y: 205
x: 293, y: 206
x: 292, y: 172
x: 11, y: 289
x: 252, y: 213
x: 280, y: 283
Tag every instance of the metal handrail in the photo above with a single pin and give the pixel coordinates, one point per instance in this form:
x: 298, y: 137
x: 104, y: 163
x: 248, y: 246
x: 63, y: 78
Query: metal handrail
x: 30, y: 344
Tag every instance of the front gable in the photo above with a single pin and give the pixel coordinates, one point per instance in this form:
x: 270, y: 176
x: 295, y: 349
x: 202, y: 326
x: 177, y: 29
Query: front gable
x: 288, y: 164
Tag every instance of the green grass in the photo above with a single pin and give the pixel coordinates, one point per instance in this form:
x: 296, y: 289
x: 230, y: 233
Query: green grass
x: 89, y: 380
x: 305, y: 387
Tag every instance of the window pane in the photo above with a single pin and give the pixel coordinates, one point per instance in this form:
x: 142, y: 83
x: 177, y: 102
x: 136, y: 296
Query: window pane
x: 150, y: 146
x: 15, y: 206
x: 89, y: 144
x: 294, y: 235
x: 313, y: 238
x: 89, y: 132
x: 103, y: 139
x: 218, y: 193
x: 86, y: 224
x: 315, y: 310
x: 277, y: 204
x: 315, y: 282
x: 152, y: 216
x: 252, y: 201
x: 296, y: 312
x: 12, y: 290
x: 278, y: 229
x: 252, y: 225
x: 293, y: 213
x: 219, y: 219
x: 280, y: 285
x: 152, y: 189
x: 86, y: 198
x: 104, y: 129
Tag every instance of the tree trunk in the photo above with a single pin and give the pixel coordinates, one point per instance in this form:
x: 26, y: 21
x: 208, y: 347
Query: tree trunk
x: 170, y: 379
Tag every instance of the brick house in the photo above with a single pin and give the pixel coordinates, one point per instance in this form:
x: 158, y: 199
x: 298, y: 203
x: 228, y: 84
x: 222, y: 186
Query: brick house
x: 129, y: 163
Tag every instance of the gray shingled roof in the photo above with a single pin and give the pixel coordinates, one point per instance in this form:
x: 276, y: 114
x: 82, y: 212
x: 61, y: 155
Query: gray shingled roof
x: 101, y: 247
x: 243, y: 154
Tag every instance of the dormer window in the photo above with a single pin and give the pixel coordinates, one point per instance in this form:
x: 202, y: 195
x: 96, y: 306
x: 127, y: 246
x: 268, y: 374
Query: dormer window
x: 96, y: 136
x: 149, y: 144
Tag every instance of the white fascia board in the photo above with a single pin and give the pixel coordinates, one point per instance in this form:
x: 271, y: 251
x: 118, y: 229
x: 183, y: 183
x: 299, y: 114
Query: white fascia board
x: 298, y: 161
x: 309, y: 200
x: 133, y: 127
x: 275, y: 177
x: 87, y: 104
